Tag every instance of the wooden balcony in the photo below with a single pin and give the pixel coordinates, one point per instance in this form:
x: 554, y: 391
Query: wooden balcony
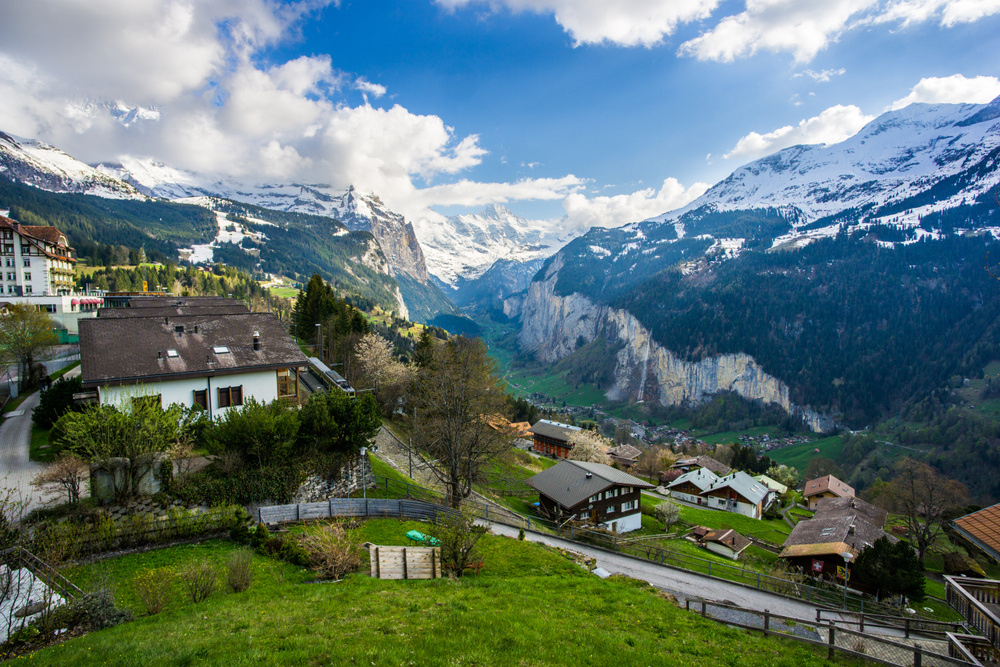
x: 978, y: 601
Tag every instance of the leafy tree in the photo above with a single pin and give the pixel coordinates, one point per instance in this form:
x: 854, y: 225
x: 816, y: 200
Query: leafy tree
x: 894, y: 569
x: 668, y: 513
x: 784, y: 475
x: 26, y: 335
x: 589, y: 446
x: 261, y: 433
x: 655, y: 460
x: 126, y: 441
x: 922, y: 495
x: 332, y: 423
x: 456, y: 398
x: 380, y: 370
x: 56, y: 401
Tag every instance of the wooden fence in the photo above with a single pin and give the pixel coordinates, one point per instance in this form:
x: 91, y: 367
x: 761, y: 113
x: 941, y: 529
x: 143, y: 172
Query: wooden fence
x: 352, y: 507
x: 405, y: 562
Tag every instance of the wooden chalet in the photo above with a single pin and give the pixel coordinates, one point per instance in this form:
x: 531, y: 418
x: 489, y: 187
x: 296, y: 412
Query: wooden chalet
x: 592, y: 493
x: 690, y: 486
x: 825, y: 487
x: 552, y: 438
x: 739, y: 493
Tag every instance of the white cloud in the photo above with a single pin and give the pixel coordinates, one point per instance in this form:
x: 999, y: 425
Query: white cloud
x: 820, y: 77
x: 368, y: 88
x: 952, y: 89
x: 583, y: 213
x: 802, y: 27
x: 830, y: 127
x: 623, y: 22
x: 952, y: 12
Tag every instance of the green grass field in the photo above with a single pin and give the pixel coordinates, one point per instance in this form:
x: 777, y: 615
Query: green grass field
x: 503, y: 616
x: 799, y: 456
x: 773, y: 531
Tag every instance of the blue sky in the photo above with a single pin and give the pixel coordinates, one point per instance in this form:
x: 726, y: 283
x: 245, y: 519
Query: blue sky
x: 554, y: 107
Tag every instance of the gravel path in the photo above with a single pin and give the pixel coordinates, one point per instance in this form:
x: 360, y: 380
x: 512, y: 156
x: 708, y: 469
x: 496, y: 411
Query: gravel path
x: 15, y: 441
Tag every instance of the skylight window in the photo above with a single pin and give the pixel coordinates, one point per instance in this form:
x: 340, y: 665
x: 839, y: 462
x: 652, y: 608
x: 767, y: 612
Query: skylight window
x: 220, y: 349
x: 171, y: 353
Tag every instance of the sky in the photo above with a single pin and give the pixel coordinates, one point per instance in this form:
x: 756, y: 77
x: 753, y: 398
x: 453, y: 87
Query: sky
x: 578, y: 112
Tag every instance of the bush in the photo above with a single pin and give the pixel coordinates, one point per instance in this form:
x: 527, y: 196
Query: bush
x: 153, y: 587
x: 57, y: 401
x: 458, y: 533
x: 332, y: 552
x: 94, y: 610
x: 242, y: 487
x: 293, y: 552
x: 200, y: 580
x: 238, y: 571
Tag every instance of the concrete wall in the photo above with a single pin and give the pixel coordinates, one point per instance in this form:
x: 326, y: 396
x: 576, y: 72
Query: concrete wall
x: 627, y: 523
x: 721, y: 550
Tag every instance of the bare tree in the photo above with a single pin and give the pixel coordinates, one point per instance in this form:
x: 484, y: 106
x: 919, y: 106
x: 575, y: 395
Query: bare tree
x: 66, y: 475
x: 458, y: 398
x: 653, y: 461
x: 921, y: 494
x: 668, y: 513
x: 589, y: 446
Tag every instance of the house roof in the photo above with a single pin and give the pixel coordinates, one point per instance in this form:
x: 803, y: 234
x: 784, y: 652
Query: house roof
x: 554, y: 430
x: 850, y: 506
x: 817, y: 549
x: 703, y: 478
x: 626, y: 452
x: 829, y: 483
x: 132, y: 350
x: 982, y: 528
x: 728, y: 537
x: 571, y: 482
x: 162, y: 301
x: 743, y: 484
x: 774, y: 485
x: 717, y: 467
x: 43, y: 234
x: 173, y: 311
x: 853, y: 531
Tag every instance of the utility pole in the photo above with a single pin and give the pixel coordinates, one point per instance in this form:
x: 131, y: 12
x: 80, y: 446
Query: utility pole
x: 319, y: 340
x: 411, y: 441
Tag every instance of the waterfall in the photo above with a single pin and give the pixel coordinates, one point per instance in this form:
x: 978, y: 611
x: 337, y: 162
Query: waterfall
x: 645, y: 367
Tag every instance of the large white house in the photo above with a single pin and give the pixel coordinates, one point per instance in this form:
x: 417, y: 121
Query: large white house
x: 36, y: 260
x: 216, y: 361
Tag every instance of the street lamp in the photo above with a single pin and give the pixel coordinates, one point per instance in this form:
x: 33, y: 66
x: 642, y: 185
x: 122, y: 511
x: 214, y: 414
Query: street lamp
x: 364, y: 479
x: 847, y: 556
x: 319, y: 340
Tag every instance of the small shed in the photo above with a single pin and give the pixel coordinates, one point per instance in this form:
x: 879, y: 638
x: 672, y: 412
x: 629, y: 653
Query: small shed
x: 726, y: 542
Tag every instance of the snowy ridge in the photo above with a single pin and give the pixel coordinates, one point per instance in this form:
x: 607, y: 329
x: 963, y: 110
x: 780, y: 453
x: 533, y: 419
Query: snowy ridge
x: 464, y: 247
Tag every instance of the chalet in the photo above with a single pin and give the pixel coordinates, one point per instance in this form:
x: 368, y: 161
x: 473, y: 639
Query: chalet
x: 725, y: 542
x: 820, y: 545
x: 851, y: 506
x: 590, y: 492
x: 689, y: 464
x: 982, y: 530
x: 690, y: 486
x: 625, y: 456
x: 739, y: 493
x: 552, y: 438
x: 209, y: 360
x: 774, y: 485
x: 825, y: 487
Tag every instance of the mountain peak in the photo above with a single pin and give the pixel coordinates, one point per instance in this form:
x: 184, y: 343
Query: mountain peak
x: 497, y: 211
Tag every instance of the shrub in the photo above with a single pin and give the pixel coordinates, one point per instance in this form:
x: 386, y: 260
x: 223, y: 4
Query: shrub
x: 332, y: 551
x: 293, y: 552
x: 458, y: 533
x: 238, y: 571
x: 57, y: 401
x: 520, y: 534
x: 153, y: 587
x: 199, y: 579
x: 259, y: 536
x: 94, y: 610
x: 243, y: 487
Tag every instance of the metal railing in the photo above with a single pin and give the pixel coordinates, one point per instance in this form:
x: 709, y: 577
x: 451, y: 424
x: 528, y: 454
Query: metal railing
x: 18, y: 556
x: 834, y: 638
x: 972, y: 599
x: 908, y: 624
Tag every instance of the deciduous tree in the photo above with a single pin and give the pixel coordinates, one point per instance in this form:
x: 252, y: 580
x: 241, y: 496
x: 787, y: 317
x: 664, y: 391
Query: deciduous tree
x: 67, y: 474
x: 457, y: 398
x: 26, y: 337
x: 589, y: 446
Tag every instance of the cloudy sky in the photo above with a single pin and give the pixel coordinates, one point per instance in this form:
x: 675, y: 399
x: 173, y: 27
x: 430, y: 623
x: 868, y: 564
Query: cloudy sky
x: 603, y: 112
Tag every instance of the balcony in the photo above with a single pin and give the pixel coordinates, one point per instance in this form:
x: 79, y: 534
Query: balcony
x: 978, y: 601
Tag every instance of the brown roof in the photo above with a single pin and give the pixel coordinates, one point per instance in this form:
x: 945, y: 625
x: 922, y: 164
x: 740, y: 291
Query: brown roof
x: 132, y: 350
x: 829, y: 483
x: 851, y: 506
x: 820, y: 549
x: 982, y: 528
x: 853, y: 531
x: 728, y: 537
x: 554, y: 430
x: 717, y: 467
x: 38, y: 236
x: 161, y: 301
x: 625, y: 452
x: 44, y: 233
x: 173, y: 311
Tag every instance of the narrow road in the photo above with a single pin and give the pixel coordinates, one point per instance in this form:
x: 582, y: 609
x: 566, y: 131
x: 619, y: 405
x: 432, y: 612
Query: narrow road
x: 15, y: 440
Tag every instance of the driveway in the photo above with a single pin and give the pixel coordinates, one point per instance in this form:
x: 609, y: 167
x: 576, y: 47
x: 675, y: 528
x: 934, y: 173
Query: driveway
x: 15, y: 441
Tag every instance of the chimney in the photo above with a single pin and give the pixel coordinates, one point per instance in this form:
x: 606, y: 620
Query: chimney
x: 196, y: 328
x: 166, y: 320
x: 850, y: 531
x: 256, y: 340
x: 589, y: 475
x: 159, y: 354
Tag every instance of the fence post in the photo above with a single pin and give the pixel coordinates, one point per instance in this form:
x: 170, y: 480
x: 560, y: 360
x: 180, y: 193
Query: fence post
x: 710, y: 568
x: 487, y: 513
x: 616, y: 544
x: 687, y: 604
x: 703, y: 613
x: 918, y: 656
x: 329, y: 507
x: 817, y: 615
x: 767, y: 620
x: 832, y: 629
x: 906, y: 625
x: 758, y: 580
x: 861, y: 626
x: 296, y: 511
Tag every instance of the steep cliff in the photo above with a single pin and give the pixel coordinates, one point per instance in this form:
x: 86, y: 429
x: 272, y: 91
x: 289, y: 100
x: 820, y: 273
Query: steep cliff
x: 553, y: 326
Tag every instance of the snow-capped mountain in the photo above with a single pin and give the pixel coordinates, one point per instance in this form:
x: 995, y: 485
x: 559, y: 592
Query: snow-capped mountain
x: 46, y: 167
x: 890, y: 166
x: 464, y: 247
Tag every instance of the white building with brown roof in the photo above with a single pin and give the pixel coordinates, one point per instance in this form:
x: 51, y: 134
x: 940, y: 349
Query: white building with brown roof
x: 34, y: 260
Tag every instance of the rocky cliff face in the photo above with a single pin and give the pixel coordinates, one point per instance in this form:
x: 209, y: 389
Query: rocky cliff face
x: 396, y: 236
x: 552, y: 325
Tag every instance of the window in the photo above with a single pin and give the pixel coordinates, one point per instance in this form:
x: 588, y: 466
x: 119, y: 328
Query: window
x: 627, y: 507
x: 10, y: 261
x: 27, y: 263
x: 200, y: 397
x: 25, y: 249
x: 287, y: 383
x: 594, y: 499
x: 220, y: 349
x: 8, y: 234
x: 609, y: 509
x: 230, y: 396
x: 8, y: 248
x: 48, y: 308
x: 10, y: 289
x: 171, y: 354
x: 27, y: 275
x: 11, y: 276
x: 27, y: 289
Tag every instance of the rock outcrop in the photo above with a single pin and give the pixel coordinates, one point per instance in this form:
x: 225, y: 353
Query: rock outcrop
x: 553, y: 325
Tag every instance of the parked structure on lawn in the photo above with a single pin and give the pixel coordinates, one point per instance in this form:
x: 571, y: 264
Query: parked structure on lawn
x: 825, y: 487
x: 552, y: 438
x: 725, y: 542
x: 215, y: 361
x: 590, y: 492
